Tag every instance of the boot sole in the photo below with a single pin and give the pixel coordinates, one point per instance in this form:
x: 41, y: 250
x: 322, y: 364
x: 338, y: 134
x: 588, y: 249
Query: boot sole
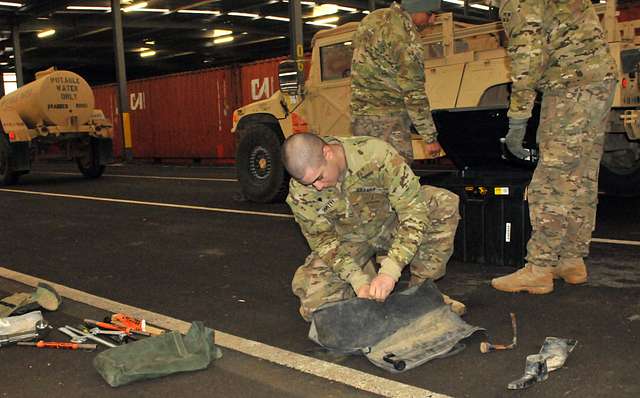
x: 572, y: 280
x: 531, y: 290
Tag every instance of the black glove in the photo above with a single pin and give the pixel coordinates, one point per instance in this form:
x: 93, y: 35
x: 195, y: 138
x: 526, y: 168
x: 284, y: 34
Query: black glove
x: 515, y: 137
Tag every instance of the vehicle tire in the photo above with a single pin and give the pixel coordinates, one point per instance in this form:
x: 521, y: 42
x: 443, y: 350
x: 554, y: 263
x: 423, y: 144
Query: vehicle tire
x: 7, y: 175
x: 619, y: 181
x: 89, y: 165
x: 260, y: 170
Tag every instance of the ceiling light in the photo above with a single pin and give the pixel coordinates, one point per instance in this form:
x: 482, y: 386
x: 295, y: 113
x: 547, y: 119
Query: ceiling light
x: 458, y: 2
x: 11, y: 56
x: 142, y: 49
x: 10, y: 4
x: 366, y: 12
x: 349, y: 9
x: 199, y: 12
x: 4, y: 63
x: 277, y: 18
x: 89, y: 8
x: 221, y: 32
x: 327, y: 20
x: 150, y: 42
x: 324, y: 9
x: 47, y: 33
x: 321, y: 24
x: 243, y: 14
x: 162, y: 10
x: 304, y: 3
x: 135, y: 7
x: 146, y: 54
x: 221, y: 40
x: 480, y: 6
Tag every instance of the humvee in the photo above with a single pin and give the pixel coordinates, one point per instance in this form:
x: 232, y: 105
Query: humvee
x: 468, y: 85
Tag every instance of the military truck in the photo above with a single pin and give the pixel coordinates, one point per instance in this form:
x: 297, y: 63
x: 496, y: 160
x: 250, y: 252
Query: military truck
x: 468, y: 85
x: 53, y: 117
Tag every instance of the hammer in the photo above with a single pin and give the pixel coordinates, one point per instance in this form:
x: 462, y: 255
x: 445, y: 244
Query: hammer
x: 486, y: 346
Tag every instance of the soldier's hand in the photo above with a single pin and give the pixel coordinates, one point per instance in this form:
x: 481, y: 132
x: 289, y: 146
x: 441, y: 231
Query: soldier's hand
x: 515, y: 137
x: 432, y: 150
x: 381, y: 287
x: 363, y: 292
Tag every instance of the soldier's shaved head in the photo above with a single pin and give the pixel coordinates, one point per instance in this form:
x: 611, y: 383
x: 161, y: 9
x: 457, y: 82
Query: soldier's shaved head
x: 302, y: 151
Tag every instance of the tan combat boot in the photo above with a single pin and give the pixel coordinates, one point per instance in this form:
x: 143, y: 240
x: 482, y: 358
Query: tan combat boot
x: 572, y: 270
x: 456, y: 306
x: 530, y: 278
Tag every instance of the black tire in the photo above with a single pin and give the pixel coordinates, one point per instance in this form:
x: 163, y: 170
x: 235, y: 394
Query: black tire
x: 7, y: 175
x: 260, y: 170
x: 89, y: 165
x: 619, y: 182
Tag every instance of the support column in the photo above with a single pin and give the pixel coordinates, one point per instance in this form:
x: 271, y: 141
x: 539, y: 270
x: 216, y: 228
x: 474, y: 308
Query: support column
x: 17, y: 55
x: 121, y: 71
x: 372, y: 5
x: 295, y: 33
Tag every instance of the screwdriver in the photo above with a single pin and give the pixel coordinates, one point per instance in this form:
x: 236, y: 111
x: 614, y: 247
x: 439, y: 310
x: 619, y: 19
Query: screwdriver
x: 111, y: 326
x: 59, y: 345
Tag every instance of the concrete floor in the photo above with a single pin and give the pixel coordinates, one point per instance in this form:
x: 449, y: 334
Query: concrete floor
x: 233, y: 272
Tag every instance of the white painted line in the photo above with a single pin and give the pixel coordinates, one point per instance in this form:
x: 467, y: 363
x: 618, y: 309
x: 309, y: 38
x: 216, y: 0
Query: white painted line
x: 142, y: 176
x: 336, y: 373
x: 159, y: 204
x: 616, y: 242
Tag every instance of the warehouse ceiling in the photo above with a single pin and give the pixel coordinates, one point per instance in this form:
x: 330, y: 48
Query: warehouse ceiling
x: 182, y: 33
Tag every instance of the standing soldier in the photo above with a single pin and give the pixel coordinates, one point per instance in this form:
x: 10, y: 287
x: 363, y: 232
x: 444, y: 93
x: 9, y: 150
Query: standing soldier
x: 558, y: 47
x: 354, y: 197
x: 387, y: 77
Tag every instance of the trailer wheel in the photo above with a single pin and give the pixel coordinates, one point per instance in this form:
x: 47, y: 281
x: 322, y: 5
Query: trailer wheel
x: 7, y: 175
x: 89, y: 165
x: 260, y: 170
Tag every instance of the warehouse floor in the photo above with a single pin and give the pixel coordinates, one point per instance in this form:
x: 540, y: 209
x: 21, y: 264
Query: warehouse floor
x: 161, y: 238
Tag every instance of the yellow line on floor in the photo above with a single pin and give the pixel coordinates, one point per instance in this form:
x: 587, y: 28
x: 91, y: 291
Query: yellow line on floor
x: 616, y: 242
x: 336, y: 373
x: 158, y: 204
x: 142, y: 176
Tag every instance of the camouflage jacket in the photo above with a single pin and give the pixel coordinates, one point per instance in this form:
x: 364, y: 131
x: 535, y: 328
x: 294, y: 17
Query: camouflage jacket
x: 378, y: 185
x: 553, y: 44
x: 387, y: 70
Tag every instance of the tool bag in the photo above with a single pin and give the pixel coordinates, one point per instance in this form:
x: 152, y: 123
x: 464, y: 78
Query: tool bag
x: 158, y: 356
x: 408, y: 329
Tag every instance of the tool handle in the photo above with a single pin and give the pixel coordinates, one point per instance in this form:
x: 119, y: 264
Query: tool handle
x: 59, y: 345
x: 105, y: 325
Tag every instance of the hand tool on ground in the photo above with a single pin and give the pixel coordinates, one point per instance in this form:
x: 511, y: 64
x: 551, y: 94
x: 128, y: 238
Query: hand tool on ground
x: 134, y: 323
x: 40, y: 330
x: 487, y: 346
x: 59, y: 345
x: 75, y: 338
x: 115, y: 335
x: 89, y: 336
x: 110, y: 326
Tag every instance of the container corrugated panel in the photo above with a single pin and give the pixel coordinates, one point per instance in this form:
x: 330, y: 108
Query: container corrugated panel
x: 259, y: 80
x: 183, y: 116
x: 107, y: 102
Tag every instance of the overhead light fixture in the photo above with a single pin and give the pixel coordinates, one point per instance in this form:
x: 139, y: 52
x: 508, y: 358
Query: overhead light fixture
x: 321, y: 24
x: 162, y: 10
x: 221, y: 32
x: 348, y: 9
x: 89, y: 8
x: 283, y: 19
x: 10, y: 4
x: 142, y: 49
x: 304, y: 3
x: 243, y: 14
x: 327, y: 20
x: 146, y: 54
x: 324, y: 9
x: 150, y: 42
x: 135, y: 7
x: 11, y: 56
x: 199, y: 12
x: 479, y: 6
x: 4, y: 63
x: 47, y: 33
x: 221, y: 40
x: 367, y: 12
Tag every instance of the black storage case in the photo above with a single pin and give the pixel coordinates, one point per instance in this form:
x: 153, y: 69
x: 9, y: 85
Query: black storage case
x: 495, y: 225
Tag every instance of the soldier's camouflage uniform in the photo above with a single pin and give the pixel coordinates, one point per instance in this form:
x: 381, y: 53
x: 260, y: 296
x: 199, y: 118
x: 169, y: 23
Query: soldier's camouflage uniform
x: 378, y: 207
x: 558, y: 47
x: 387, y: 80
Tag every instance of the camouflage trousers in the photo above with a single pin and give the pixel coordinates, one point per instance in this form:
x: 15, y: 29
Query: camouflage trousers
x: 563, y: 193
x: 396, y: 130
x: 315, y: 283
